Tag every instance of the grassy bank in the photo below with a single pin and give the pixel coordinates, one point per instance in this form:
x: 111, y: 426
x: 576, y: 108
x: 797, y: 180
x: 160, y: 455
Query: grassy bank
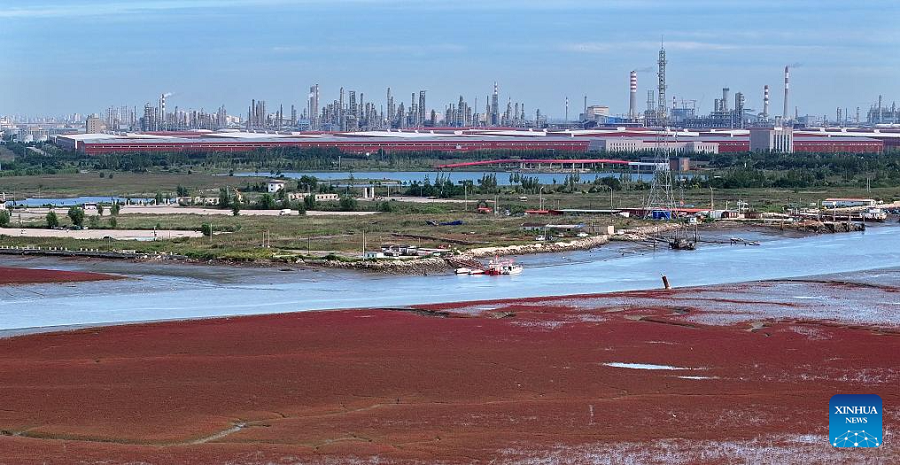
x: 247, y: 237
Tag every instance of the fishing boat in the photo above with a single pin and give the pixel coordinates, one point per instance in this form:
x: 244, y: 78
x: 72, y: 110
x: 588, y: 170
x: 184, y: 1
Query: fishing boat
x: 682, y: 243
x: 463, y: 270
x: 498, y: 267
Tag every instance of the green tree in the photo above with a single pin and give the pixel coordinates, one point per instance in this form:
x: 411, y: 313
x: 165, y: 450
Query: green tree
x: 206, y: 229
x: 610, y: 182
x: 94, y: 221
x: 114, y: 209
x: 4, y: 217
x: 235, y: 208
x: 267, y: 202
x: 159, y: 198
x: 52, y: 219
x: 113, y: 222
x: 307, y: 183
x: 309, y: 202
x: 100, y: 209
x: 76, y: 214
x: 224, y: 199
x: 348, y: 203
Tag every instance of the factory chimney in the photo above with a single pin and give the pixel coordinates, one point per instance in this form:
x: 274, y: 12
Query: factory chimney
x: 632, y: 107
x: 495, y: 106
x: 765, y: 113
x: 787, y: 80
x: 725, y: 91
x: 877, y: 119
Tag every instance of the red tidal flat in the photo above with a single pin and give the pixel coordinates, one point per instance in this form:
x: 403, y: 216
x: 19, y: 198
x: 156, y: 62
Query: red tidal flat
x: 13, y: 275
x: 514, y: 382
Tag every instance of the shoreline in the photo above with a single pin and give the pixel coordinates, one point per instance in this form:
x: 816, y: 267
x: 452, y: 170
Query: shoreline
x: 426, y: 265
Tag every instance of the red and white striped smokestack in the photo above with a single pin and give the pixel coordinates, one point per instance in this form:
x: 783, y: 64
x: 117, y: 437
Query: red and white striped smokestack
x: 766, y: 102
x: 787, y: 81
x: 632, y: 108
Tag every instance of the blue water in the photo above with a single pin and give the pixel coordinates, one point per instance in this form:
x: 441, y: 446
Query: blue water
x: 179, y: 291
x: 406, y: 177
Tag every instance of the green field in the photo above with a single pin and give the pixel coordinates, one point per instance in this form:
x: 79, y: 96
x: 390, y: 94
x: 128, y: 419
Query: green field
x: 242, y: 237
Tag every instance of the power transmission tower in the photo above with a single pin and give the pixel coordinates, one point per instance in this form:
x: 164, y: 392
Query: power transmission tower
x: 661, y: 197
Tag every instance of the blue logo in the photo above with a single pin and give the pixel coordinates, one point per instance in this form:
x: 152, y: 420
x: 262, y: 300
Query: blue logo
x: 855, y: 420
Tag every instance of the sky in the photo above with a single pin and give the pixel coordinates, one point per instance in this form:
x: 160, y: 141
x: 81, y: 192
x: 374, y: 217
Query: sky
x: 69, y: 56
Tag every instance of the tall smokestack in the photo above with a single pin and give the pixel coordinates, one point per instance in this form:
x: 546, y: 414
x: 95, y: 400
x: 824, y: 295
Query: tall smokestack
x: 787, y: 81
x: 725, y: 91
x: 162, y: 112
x: 632, y: 107
x: 765, y: 113
x: 877, y: 119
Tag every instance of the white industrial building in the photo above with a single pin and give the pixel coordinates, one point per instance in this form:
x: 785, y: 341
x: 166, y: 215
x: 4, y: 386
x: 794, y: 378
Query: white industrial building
x: 845, y: 202
x: 274, y: 186
x: 777, y: 139
x: 626, y: 144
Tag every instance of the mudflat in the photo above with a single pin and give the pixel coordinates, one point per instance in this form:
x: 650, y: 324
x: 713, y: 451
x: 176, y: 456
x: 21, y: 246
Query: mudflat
x: 732, y: 373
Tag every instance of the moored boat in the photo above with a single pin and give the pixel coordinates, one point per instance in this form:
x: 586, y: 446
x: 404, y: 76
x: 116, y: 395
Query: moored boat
x: 499, y: 267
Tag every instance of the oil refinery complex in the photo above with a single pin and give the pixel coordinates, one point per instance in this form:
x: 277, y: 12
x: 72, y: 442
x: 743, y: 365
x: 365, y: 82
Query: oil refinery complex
x: 354, y: 124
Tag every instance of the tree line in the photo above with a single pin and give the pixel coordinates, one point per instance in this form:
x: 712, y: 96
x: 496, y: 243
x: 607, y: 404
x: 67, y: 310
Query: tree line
x: 739, y: 170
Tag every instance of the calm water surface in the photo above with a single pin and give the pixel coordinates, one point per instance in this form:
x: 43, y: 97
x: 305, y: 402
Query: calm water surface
x: 159, y: 292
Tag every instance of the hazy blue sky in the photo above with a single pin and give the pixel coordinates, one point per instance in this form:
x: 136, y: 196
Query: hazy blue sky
x: 67, y: 56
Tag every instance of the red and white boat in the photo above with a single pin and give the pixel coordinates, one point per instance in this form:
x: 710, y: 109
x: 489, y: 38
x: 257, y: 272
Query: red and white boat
x: 499, y: 267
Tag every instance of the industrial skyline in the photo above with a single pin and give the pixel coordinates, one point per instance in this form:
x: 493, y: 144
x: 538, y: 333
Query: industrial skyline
x: 127, y: 52
x: 350, y: 111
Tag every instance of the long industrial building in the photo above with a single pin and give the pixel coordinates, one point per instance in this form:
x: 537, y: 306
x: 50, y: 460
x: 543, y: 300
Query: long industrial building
x: 471, y: 140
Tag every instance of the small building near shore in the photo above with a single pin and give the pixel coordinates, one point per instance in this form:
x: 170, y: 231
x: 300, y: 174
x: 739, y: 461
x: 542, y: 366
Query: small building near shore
x: 553, y: 227
x: 274, y: 185
x: 848, y: 202
x: 317, y: 197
